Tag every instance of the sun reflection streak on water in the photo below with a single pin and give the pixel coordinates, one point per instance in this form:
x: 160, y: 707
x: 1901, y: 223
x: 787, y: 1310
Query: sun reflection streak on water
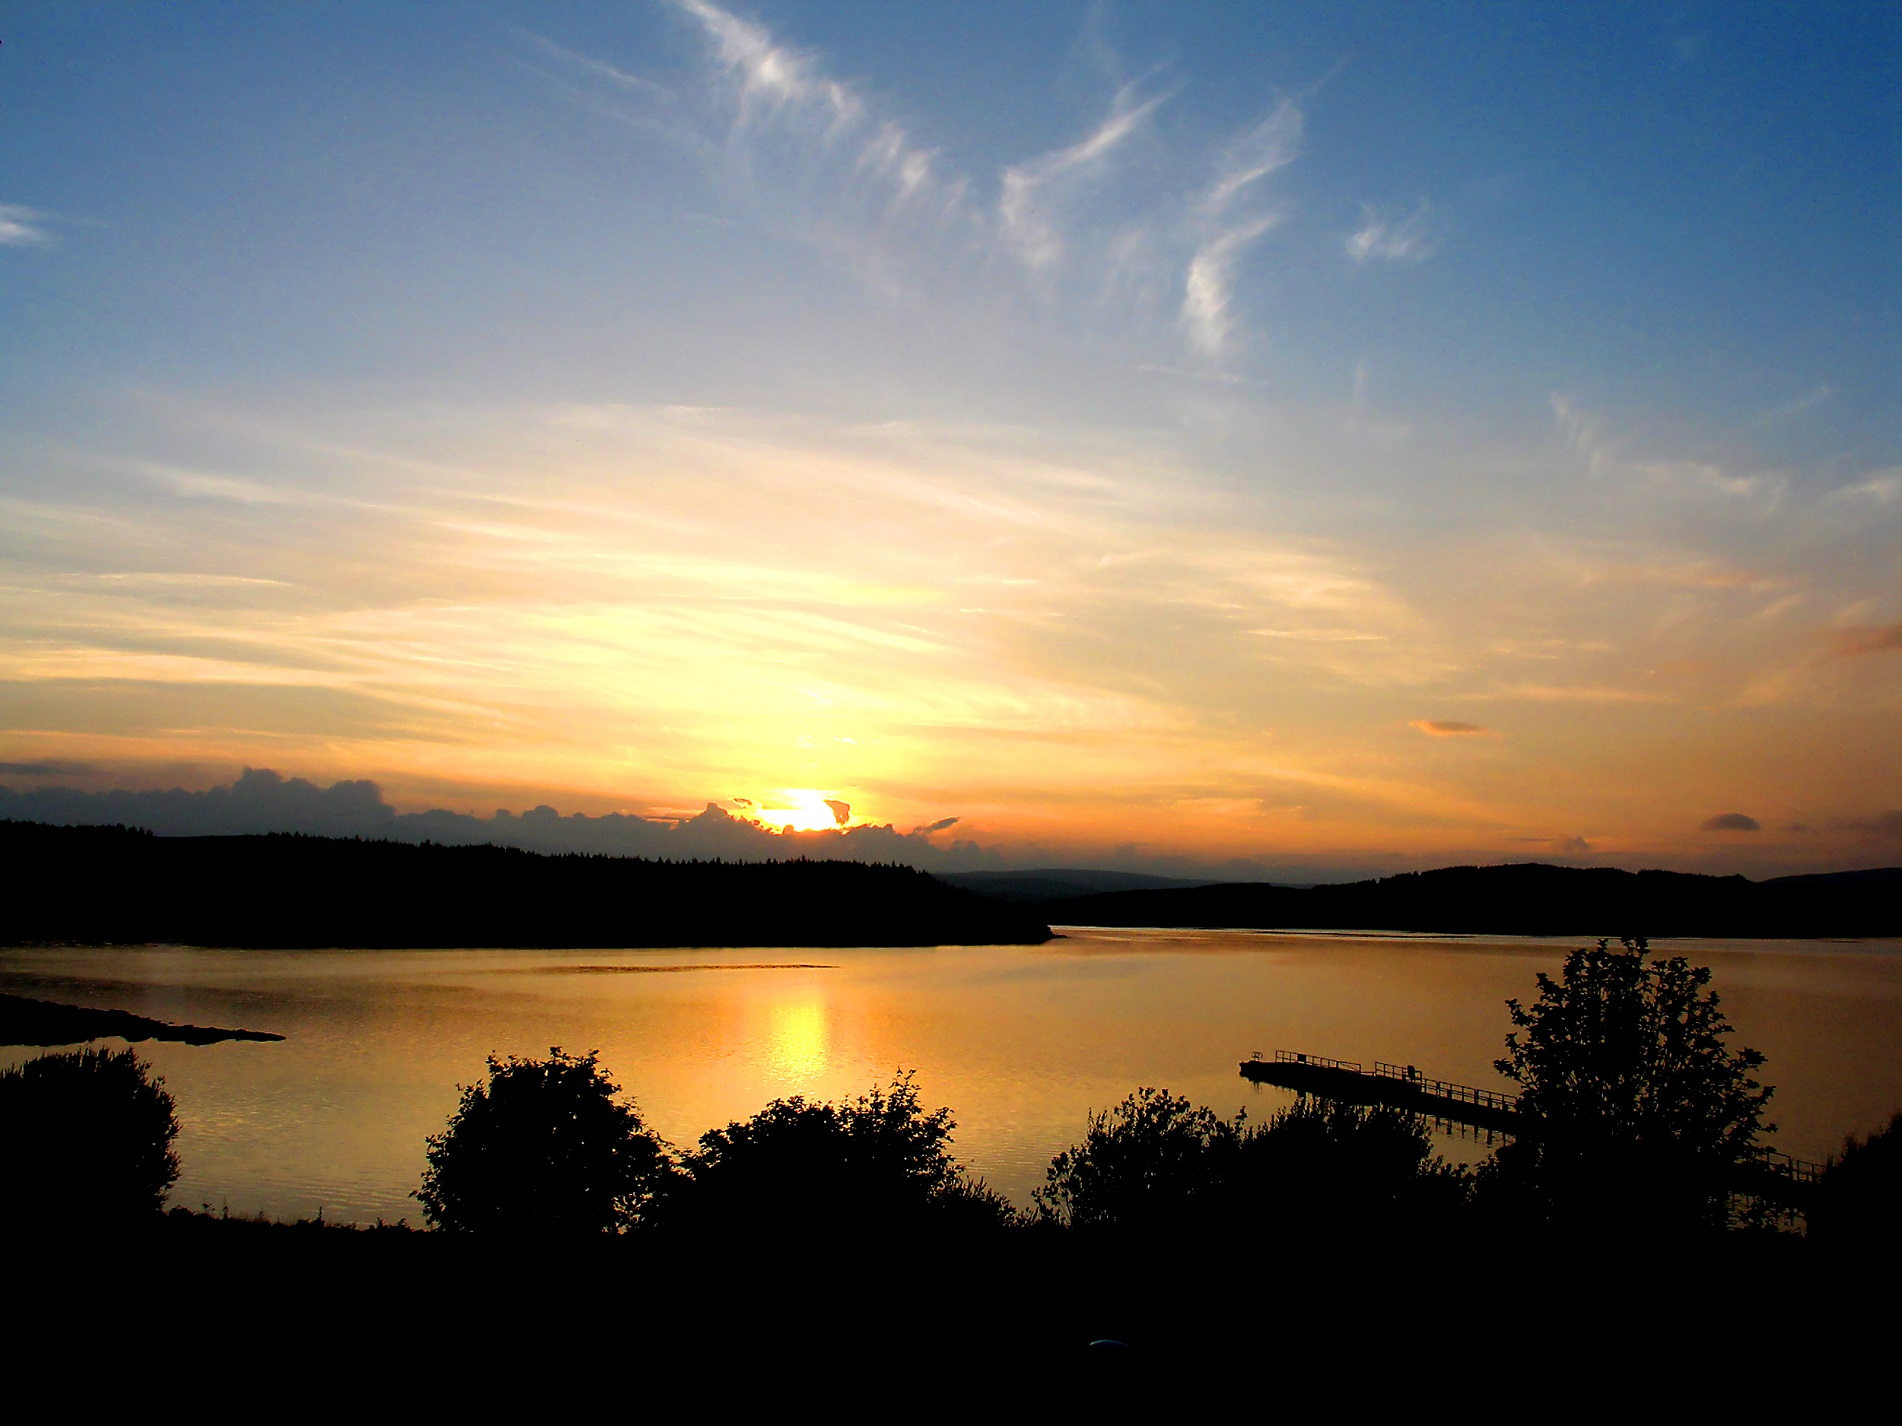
x: 797, y: 1042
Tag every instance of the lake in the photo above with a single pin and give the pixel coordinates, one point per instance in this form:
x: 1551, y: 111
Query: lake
x: 1022, y: 1042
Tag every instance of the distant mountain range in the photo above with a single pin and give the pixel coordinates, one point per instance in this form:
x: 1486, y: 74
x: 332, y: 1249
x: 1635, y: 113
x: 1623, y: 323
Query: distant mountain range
x: 119, y: 885
x: 1518, y: 899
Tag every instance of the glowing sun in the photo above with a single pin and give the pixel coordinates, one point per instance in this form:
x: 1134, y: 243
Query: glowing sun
x: 803, y: 809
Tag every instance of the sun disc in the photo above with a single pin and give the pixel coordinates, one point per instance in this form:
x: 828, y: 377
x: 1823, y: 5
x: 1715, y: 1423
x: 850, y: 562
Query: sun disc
x: 803, y: 809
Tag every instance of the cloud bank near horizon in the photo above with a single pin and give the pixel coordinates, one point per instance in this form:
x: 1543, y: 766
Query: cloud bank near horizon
x: 261, y: 801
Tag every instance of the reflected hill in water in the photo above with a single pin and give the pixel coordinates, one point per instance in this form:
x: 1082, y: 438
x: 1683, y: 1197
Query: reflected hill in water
x: 1530, y: 899
x: 120, y: 885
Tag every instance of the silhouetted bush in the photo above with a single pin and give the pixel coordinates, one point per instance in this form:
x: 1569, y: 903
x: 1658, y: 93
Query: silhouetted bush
x: 1150, y: 1161
x: 1369, y: 1164
x: 88, y: 1138
x: 1156, y: 1162
x: 1641, y: 1115
x: 1857, y: 1205
x: 875, y: 1162
x: 543, y: 1149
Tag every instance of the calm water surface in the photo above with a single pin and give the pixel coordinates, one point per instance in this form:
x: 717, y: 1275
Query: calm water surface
x: 1022, y: 1042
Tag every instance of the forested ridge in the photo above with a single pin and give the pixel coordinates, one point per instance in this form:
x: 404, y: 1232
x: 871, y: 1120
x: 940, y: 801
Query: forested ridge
x: 1522, y: 899
x: 119, y: 885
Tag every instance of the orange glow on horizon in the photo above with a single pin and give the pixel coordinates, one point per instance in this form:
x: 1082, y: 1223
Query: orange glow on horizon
x: 1221, y: 690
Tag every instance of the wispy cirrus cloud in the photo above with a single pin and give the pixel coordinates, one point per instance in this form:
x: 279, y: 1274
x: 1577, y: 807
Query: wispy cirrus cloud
x: 600, y: 69
x: 771, y: 84
x: 1271, y: 145
x: 1207, y: 295
x: 794, y: 147
x: 1230, y: 217
x: 1789, y: 410
x: 1665, y: 481
x: 771, y: 76
x: 1084, y: 222
x: 1577, y: 693
x: 1034, y: 192
x: 23, y: 227
x: 1383, y: 238
x: 1451, y: 728
x: 1869, y: 639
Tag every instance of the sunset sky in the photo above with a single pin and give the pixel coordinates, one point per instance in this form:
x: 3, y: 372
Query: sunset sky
x: 1239, y: 436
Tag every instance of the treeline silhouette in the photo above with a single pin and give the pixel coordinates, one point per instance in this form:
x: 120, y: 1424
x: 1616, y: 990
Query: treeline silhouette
x: 839, y: 1248
x: 119, y: 885
x: 1521, y: 899
x: 547, y: 1149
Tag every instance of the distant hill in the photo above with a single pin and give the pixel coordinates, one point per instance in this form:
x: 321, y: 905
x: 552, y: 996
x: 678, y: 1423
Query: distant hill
x: 1056, y: 883
x: 119, y: 885
x: 1522, y: 899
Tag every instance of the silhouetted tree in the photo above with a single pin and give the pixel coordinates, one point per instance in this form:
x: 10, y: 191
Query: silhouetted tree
x: 1149, y: 1162
x: 542, y: 1149
x: 88, y: 1138
x: 1644, y: 1114
x: 1857, y: 1205
x: 880, y: 1160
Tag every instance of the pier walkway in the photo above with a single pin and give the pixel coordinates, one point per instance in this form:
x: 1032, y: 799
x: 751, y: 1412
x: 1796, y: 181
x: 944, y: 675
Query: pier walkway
x: 1400, y: 1085
x: 1775, y: 1176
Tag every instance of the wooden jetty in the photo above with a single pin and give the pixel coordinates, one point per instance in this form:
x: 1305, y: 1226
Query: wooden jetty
x: 1774, y: 1176
x: 1402, y: 1086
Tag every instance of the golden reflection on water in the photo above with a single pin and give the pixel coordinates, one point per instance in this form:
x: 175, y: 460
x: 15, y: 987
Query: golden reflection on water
x: 796, y: 1043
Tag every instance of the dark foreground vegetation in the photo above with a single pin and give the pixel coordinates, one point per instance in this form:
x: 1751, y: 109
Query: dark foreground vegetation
x: 120, y: 885
x: 1525, y: 899
x: 820, y: 1255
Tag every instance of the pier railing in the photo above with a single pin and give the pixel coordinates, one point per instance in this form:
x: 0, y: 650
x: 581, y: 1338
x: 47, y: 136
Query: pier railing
x: 1446, y: 1089
x: 1796, y: 1170
x: 1291, y: 1057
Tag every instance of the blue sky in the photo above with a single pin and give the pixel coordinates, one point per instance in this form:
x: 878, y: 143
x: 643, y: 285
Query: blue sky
x: 1609, y: 194
x: 1374, y: 433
